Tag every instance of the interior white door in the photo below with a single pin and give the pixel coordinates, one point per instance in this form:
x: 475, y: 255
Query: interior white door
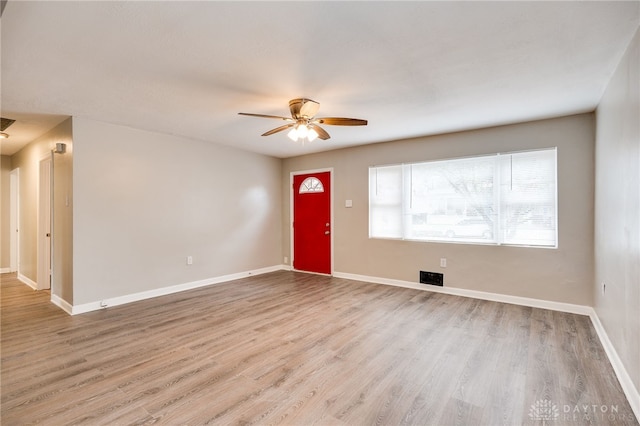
x: 14, y: 224
x: 44, y: 225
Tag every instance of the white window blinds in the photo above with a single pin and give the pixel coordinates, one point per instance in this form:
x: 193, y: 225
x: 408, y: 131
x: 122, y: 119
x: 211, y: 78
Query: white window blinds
x: 385, y: 201
x: 528, y: 204
x: 497, y: 199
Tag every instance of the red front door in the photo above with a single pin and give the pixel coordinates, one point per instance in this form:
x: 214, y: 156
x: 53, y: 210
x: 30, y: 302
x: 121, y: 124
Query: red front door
x: 311, y: 222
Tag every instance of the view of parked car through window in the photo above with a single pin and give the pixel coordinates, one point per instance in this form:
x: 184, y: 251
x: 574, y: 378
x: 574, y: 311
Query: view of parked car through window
x: 493, y: 199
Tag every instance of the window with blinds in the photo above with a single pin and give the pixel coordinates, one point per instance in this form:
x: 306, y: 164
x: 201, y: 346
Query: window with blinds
x: 507, y: 198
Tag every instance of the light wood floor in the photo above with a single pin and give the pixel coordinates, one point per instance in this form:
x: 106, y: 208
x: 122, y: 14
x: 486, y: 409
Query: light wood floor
x: 298, y: 349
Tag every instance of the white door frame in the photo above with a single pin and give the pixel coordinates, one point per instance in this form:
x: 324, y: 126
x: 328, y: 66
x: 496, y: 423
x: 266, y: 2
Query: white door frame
x: 14, y: 220
x: 291, y: 194
x: 44, y: 223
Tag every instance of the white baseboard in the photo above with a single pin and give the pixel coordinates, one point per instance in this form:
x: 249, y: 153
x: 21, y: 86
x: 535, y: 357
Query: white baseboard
x: 494, y: 297
x: 62, y: 304
x: 135, y: 297
x: 629, y: 389
x: 5, y: 270
x: 27, y: 281
x: 633, y: 396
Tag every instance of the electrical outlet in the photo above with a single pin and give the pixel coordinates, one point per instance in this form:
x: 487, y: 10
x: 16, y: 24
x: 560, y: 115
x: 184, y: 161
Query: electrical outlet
x: 443, y: 262
x: 286, y: 260
x: 189, y: 260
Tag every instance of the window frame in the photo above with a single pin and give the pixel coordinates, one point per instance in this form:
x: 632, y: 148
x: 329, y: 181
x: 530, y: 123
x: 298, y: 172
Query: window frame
x: 405, y: 226
x: 311, y: 185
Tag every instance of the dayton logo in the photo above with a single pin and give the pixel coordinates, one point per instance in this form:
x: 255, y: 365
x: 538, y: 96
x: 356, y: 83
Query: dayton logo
x: 544, y: 410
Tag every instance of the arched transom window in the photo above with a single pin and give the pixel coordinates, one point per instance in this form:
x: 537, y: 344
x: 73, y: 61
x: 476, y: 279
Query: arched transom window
x: 311, y: 184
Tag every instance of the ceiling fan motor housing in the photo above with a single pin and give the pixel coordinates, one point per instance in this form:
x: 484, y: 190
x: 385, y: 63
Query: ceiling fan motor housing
x: 303, y: 108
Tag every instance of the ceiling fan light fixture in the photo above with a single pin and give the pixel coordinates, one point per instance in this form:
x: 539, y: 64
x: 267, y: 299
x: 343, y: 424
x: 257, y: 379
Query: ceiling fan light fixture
x: 303, y: 131
x: 293, y: 134
x: 312, y: 135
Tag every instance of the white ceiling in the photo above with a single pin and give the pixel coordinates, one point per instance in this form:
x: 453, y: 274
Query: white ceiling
x: 410, y: 68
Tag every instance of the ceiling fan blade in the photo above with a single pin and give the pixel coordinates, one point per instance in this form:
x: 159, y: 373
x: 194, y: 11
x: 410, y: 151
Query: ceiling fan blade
x: 279, y: 129
x: 341, y: 121
x: 322, y: 134
x: 303, y: 107
x: 266, y: 116
x: 309, y: 108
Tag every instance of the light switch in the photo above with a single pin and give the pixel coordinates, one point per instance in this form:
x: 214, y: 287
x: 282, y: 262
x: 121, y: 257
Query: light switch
x: 348, y: 203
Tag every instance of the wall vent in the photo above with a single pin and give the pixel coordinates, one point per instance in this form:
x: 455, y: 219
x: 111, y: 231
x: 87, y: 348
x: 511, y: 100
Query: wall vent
x: 431, y: 278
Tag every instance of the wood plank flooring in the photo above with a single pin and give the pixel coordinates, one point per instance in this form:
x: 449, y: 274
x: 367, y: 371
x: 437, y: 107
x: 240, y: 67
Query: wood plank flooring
x: 296, y: 349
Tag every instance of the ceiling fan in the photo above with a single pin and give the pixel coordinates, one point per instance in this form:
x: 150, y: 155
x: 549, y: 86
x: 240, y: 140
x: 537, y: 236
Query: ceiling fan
x: 304, y: 124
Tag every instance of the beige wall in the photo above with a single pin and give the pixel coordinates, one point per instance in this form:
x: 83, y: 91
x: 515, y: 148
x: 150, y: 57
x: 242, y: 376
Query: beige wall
x: 28, y: 160
x: 145, y: 201
x: 5, y: 169
x: 62, y: 279
x: 617, y: 221
x: 563, y: 274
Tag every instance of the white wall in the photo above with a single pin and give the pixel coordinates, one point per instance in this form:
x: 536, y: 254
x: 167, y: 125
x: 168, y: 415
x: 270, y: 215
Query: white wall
x: 562, y: 275
x: 617, y: 219
x: 145, y: 201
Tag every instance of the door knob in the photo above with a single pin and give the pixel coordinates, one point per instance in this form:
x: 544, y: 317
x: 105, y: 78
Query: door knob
x: 327, y: 232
